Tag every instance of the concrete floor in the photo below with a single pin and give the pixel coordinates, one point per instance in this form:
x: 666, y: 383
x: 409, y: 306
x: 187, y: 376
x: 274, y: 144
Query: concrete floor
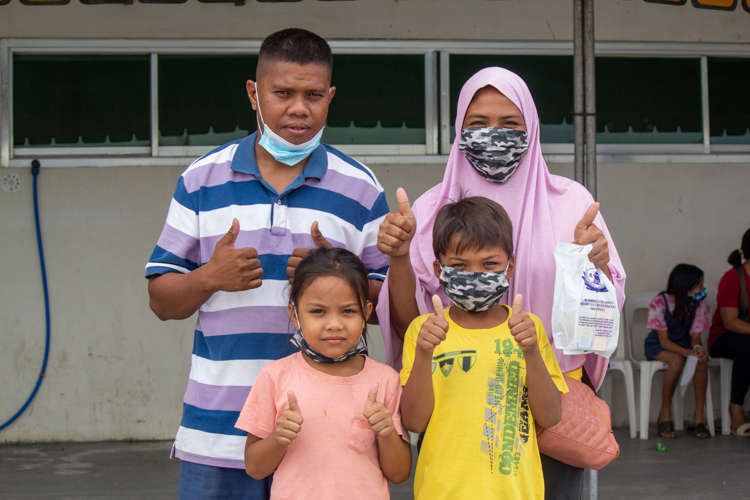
x: 691, y: 469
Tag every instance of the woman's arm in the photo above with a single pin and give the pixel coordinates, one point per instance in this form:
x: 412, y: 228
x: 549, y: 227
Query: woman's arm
x: 732, y: 322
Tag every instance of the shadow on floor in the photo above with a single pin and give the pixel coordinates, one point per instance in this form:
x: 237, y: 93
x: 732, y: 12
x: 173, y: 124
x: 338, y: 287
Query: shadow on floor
x: 691, y: 469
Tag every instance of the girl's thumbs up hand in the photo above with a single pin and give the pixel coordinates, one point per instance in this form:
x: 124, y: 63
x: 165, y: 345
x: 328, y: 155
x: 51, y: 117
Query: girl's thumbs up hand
x: 522, y: 327
x: 377, y: 415
x: 434, y: 330
x: 289, y: 422
x: 397, y: 230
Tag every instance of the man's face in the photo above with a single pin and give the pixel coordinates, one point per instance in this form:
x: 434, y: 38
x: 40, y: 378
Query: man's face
x: 293, y: 98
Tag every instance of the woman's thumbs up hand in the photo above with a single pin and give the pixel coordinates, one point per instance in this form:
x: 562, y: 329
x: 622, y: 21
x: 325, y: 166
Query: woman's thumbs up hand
x: 397, y: 230
x: 522, y: 327
x: 289, y: 422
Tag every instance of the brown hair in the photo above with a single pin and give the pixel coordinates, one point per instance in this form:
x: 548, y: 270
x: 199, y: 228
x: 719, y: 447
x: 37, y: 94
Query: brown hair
x: 476, y: 222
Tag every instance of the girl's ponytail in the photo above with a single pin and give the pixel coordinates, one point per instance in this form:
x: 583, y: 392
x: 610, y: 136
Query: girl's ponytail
x: 736, y: 257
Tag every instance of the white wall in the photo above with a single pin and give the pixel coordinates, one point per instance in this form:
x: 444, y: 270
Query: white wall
x: 616, y: 20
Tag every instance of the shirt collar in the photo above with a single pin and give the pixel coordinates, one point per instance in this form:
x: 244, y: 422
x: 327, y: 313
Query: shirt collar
x: 244, y: 159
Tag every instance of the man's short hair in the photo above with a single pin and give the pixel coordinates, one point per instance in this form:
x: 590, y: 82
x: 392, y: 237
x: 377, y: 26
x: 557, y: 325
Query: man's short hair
x: 472, y: 223
x: 297, y: 46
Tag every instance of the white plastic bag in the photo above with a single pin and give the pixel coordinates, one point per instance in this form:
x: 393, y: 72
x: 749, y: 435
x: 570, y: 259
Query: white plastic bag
x: 585, y: 316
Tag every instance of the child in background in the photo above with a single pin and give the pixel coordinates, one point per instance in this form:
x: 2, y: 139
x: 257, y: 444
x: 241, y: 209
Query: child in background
x: 326, y: 419
x: 677, y: 317
x: 480, y: 376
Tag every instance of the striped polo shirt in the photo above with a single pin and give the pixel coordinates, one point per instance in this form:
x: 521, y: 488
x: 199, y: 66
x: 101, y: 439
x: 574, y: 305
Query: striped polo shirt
x: 238, y: 333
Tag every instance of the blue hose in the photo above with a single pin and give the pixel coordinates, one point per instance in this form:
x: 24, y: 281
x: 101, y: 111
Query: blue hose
x: 35, y: 171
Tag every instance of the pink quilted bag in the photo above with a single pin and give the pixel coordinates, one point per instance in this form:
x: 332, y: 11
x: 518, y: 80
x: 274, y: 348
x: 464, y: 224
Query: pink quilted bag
x: 584, y: 436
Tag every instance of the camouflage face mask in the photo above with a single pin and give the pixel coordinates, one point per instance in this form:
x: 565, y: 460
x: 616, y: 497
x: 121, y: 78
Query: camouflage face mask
x: 473, y: 292
x: 493, y: 151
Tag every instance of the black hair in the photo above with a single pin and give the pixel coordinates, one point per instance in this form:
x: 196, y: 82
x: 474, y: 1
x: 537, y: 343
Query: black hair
x: 297, y: 46
x: 735, y: 258
x: 682, y: 279
x: 476, y: 222
x: 337, y: 262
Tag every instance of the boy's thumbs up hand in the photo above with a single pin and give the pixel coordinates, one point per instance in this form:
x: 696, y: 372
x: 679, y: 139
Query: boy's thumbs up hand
x: 435, y: 329
x: 397, y: 230
x: 522, y: 327
x: 289, y: 422
x: 377, y: 415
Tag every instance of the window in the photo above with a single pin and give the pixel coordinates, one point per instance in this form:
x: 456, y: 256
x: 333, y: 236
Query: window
x: 550, y: 80
x: 92, y: 101
x: 648, y: 100
x: 203, y: 101
x: 729, y: 101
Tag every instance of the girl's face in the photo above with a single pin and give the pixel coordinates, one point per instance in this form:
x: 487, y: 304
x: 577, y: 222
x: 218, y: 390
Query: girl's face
x: 490, y: 108
x: 697, y: 288
x: 330, y: 316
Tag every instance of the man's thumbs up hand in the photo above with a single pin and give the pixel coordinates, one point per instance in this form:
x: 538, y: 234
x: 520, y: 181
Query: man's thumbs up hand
x: 377, y: 415
x: 289, y: 422
x: 233, y: 269
x: 300, y: 253
x: 397, y: 230
x: 522, y: 327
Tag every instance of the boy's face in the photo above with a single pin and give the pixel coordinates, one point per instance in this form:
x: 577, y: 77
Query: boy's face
x: 487, y: 259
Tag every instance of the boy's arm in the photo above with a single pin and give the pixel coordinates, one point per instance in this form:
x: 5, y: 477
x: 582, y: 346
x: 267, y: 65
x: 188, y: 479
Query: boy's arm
x: 394, y: 454
x: 418, y: 399
x: 263, y: 456
x: 544, y: 397
x: 394, y: 238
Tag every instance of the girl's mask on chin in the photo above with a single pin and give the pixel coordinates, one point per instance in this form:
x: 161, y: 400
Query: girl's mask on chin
x: 494, y: 152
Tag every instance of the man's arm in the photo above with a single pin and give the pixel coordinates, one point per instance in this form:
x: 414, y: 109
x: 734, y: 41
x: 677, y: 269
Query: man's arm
x: 178, y: 296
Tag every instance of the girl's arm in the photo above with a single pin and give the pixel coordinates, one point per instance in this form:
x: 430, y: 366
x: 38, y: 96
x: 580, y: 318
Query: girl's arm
x: 263, y: 456
x: 394, y: 454
x: 544, y: 397
x: 670, y: 346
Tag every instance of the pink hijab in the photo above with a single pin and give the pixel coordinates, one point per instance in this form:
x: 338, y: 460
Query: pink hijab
x: 544, y: 209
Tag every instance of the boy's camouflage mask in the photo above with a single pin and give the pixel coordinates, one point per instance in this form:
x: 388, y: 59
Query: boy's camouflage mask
x: 493, y: 151
x: 473, y: 292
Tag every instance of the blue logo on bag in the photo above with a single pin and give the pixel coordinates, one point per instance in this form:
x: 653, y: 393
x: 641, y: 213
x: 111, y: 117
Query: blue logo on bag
x: 593, y: 281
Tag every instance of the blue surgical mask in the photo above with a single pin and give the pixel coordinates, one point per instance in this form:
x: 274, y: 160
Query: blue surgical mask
x: 282, y: 150
x: 700, y: 296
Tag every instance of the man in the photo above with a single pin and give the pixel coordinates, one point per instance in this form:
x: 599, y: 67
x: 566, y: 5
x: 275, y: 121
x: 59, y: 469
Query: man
x: 277, y: 192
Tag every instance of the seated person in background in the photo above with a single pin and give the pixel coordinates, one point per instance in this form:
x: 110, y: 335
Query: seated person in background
x: 677, y: 317
x: 730, y: 331
x: 479, y: 376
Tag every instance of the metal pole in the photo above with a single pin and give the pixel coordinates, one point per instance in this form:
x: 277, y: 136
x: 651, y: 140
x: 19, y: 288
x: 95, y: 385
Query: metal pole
x: 593, y: 484
x: 431, y: 104
x: 590, y: 83
x: 5, y: 115
x: 578, y: 122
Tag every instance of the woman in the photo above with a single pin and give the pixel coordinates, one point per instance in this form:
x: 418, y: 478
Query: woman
x: 497, y: 154
x: 730, y: 331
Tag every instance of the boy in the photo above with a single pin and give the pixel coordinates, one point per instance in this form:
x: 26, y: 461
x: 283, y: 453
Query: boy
x: 479, y: 377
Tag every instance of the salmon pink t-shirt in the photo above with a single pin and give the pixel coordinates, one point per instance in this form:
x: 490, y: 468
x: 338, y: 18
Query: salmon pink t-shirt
x: 335, y: 454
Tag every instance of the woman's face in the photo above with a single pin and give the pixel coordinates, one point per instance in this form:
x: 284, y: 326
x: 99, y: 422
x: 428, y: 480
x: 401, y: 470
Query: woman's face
x: 490, y: 108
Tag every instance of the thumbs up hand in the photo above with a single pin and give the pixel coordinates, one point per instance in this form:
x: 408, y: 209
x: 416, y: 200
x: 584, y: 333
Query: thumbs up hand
x: 434, y: 330
x: 377, y: 415
x: 397, y: 230
x: 289, y: 422
x: 587, y: 233
x: 522, y: 327
x: 300, y: 253
x: 233, y: 269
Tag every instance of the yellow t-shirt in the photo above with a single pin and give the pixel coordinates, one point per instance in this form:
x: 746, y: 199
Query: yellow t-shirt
x: 480, y: 441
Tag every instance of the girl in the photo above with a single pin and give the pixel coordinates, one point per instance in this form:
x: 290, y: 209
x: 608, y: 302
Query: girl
x: 730, y: 331
x: 677, y: 317
x: 326, y: 419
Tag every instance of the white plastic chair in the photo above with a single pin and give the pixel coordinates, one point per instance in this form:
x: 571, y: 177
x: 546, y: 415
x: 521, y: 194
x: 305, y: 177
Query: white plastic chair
x: 619, y: 362
x: 633, y: 303
x: 725, y: 371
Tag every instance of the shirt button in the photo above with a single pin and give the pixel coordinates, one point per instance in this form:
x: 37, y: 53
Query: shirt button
x: 278, y: 202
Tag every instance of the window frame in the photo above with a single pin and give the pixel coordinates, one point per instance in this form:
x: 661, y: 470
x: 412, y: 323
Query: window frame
x: 437, y: 99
